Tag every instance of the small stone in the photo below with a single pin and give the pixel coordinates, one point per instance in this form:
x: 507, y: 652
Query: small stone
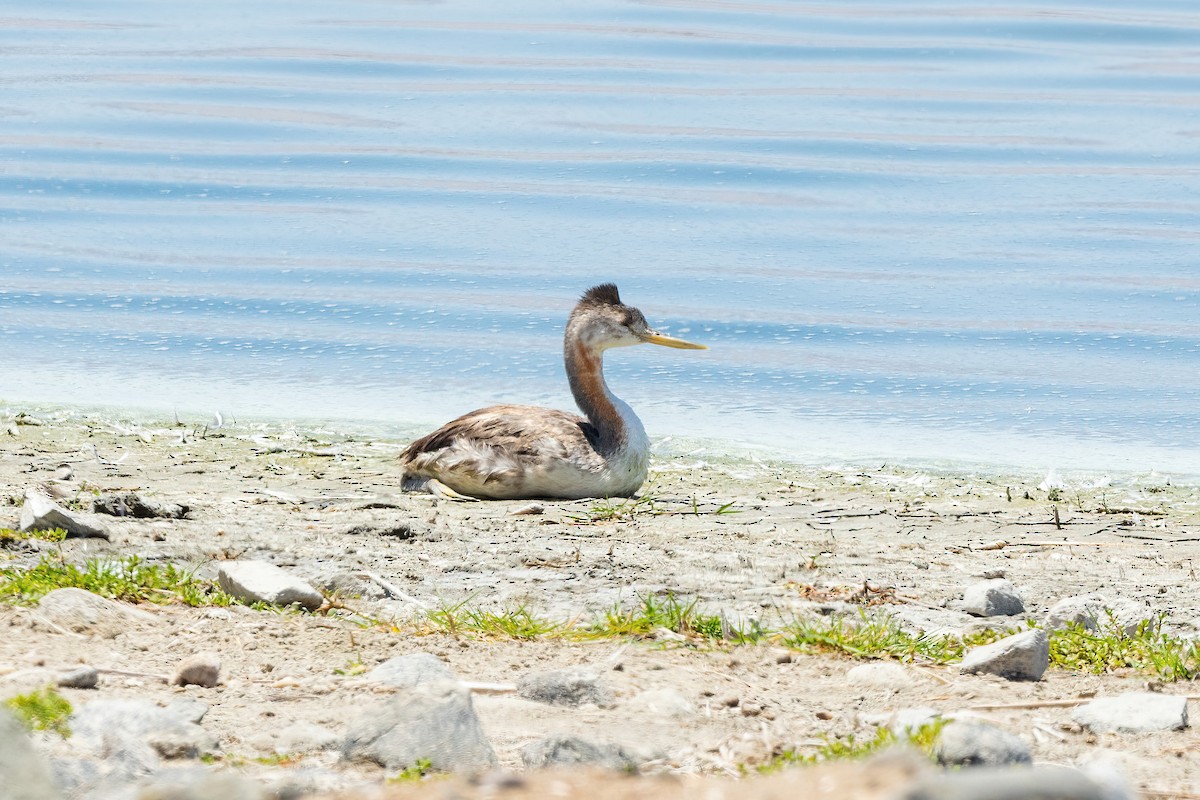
x: 499, y: 780
x: 967, y: 743
x: 993, y: 598
x: 129, y: 504
x: 202, y: 669
x: 879, y: 675
x: 1050, y: 782
x: 565, y: 687
x: 262, y: 582
x: 407, y: 671
x: 353, y: 585
x: 1134, y: 712
x: 188, y: 709
x: 1023, y: 657
x: 434, y: 721
x: 392, y: 527
x: 40, y: 513
x: 79, y: 678
x: 569, y: 751
x: 172, y: 745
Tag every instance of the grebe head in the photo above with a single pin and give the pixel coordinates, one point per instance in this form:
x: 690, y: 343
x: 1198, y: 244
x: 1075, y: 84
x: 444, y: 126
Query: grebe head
x: 602, y: 321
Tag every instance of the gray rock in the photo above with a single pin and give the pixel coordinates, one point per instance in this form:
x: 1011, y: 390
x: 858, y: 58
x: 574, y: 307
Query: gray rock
x: 968, y: 743
x: 569, y: 751
x: 1023, y: 657
x: 1083, y: 609
x: 188, y: 709
x: 1049, y: 782
x: 23, y: 773
x: 83, y: 612
x: 565, y: 687
x: 260, y: 581
x: 353, y: 585
x: 40, y: 513
x: 74, y: 776
x: 1096, y: 612
x: 1134, y: 712
x: 79, y: 678
x: 405, y: 672
x: 128, y: 504
x: 201, y: 669
x: 994, y: 598
x: 434, y: 721
x: 391, y: 528
x: 136, y: 730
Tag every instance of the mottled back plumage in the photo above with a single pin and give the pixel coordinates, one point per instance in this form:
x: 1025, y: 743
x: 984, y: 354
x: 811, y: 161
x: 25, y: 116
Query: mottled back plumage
x: 512, y: 451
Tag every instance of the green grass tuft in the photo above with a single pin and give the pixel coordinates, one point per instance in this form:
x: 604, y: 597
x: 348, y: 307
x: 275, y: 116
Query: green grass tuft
x: 870, y: 636
x: 126, y: 579
x: 923, y: 739
x: 622, y: 510
x: 654, y: 612
x: 866, y: 636
x: 512, y: 623
x: 415, y: 772
x: 648, y: 504
x: 1147, y: 650
x: 52, y: 535
x: 42, y: 710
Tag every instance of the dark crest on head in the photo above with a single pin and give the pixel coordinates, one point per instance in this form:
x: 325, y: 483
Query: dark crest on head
x: 603, y: 295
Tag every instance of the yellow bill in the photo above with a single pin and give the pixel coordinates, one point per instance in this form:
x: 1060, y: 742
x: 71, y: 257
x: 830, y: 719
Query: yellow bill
x: 654, y: 337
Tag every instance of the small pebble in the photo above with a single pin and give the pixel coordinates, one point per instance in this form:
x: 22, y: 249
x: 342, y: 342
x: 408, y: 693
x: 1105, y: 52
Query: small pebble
x: 996, y: 597
x: 201, y: 669
x: 84, y: 677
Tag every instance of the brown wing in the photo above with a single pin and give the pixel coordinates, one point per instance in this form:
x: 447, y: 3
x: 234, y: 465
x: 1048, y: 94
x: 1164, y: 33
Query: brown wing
x: 499, y: 443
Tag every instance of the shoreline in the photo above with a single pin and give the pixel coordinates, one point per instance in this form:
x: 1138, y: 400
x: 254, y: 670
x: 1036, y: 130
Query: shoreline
x: 801, y: 544
x: 665, y: 446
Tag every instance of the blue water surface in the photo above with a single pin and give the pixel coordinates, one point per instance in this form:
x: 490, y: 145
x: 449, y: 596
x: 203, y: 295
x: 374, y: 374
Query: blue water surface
x: 934, y: 232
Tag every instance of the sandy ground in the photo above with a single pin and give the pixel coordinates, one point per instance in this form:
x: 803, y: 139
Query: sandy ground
x: 802, y: 541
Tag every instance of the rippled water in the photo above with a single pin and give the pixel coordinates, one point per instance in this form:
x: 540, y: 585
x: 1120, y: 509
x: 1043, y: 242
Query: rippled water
x: 909, y: 231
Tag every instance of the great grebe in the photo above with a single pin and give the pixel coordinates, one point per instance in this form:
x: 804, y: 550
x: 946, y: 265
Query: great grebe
x: 510, y: 452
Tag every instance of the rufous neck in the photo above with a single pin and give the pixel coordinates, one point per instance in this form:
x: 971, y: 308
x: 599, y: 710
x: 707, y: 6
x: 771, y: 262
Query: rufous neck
x: 585, y: 373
